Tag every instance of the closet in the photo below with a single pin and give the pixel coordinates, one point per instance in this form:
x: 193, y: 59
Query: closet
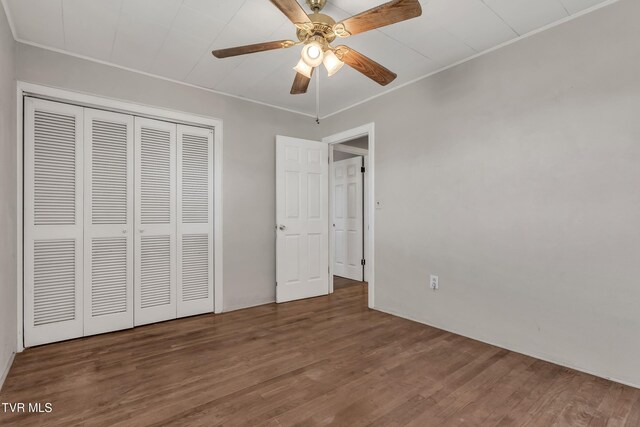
x: 118, y: 221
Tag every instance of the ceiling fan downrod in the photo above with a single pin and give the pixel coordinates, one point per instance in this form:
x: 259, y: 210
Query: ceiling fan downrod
x: 316, y: 5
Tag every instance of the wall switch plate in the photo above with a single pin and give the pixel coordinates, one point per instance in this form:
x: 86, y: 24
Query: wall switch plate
x: 433, y: 282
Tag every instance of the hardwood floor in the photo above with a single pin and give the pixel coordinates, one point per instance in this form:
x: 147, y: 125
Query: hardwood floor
x: 327, y: 360
x: 343, y: 282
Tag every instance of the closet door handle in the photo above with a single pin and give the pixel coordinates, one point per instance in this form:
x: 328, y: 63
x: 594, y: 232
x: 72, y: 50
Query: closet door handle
x: 141, y: 231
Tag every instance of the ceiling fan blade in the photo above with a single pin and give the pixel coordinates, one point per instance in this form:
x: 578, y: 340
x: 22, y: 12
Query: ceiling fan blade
x: 380, y: 16
x: 366, y: 66
x: 292, y: 10
x: 300, y: 83
x: 252, y: 48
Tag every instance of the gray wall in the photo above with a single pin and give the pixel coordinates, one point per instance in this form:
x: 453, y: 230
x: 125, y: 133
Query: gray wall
x: 248, y: 158
x: 516, y: 178
x: 8, y: 328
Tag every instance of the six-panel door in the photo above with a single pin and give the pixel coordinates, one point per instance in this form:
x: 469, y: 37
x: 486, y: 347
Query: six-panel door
x: 348, y: 218
x: 302, y: 184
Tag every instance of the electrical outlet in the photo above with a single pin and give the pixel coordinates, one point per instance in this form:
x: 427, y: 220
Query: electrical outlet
x: 434, y: 282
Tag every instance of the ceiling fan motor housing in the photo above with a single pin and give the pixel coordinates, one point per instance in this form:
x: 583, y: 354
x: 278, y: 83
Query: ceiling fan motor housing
x: 322, y: 27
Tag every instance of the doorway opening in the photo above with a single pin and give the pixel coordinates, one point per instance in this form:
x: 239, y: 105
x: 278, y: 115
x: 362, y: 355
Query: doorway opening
x: 348, y: 216
x: 351, y: 209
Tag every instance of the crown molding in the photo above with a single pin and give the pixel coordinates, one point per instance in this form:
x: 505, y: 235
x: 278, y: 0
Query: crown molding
x: 168, y: 79
x: 341, y: 110
x: 9, y: 19
x: 479, y: 54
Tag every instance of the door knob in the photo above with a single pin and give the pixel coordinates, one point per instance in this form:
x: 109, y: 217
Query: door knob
x: 282, y: 227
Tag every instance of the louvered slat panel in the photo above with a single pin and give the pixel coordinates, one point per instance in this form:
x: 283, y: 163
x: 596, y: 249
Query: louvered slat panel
x: 108, y: 276
x: 54, y: 149
x: 195, y: 266
x: 54, y: 287
x: 195, y: 179
x: 109, y: 173
x: 155, y: 271
x: 155, y: 161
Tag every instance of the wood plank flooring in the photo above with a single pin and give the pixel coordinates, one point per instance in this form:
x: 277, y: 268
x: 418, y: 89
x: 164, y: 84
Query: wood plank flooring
x: 322, y: 361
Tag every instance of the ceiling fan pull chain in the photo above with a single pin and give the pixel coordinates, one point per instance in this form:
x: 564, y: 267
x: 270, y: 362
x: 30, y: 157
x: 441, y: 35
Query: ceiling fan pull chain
x: 318, y: 98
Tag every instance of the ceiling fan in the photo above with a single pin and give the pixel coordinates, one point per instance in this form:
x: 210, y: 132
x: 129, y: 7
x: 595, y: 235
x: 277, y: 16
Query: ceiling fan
x: 317, y: 31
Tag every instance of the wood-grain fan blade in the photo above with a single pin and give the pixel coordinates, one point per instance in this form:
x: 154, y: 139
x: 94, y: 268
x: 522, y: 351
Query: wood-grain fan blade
x: 366, y: 66
x: 380, y: 16
x: 252, y: 48
x: 300, y: 83
x: 292, y: 10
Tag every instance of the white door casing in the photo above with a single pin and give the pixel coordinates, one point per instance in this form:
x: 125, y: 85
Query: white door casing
x: 155, y: 221
x: 53, y: 221
x: 195, y: 221
x: 348, y: 218
x: 302, y: 219
x: 108, y: 221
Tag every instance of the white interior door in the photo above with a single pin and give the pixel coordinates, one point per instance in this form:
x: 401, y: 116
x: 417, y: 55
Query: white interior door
x: 195, y: 221
x: 155, y: 221
x: 302, y: 268
x: 348, y: 218
x: 108, y: 221
x: 53, y: 221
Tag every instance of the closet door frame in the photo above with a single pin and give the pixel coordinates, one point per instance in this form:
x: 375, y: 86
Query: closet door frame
x: 24, y: 89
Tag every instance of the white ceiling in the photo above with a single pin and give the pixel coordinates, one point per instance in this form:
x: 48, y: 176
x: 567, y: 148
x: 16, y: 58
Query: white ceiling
x: 174, y: 38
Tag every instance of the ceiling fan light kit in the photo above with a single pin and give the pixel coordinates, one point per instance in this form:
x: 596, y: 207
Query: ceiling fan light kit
x: 312, y: 54
x: 332, y: 63
x: 316, y: 32
x: 303, y: 68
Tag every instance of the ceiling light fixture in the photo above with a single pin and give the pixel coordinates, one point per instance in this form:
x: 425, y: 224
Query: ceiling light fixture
x: 303, y: 68
x: 316, y: 31
x: 312, y: 54
x: 332, y: 63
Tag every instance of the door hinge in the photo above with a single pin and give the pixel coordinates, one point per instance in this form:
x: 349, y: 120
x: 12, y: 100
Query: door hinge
x: 362, y: 169
x: 363, y: 262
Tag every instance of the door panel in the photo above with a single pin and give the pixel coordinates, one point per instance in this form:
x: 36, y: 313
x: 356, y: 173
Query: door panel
x: 348, y: 218
x: 53, y: 221
x: 108, y: 222
x: 195, y: 221
x: 302, y: 217
x: 155, y: 221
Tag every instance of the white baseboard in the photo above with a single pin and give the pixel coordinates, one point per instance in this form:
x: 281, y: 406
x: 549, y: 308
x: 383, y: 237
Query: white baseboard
x: 6, y: 370
x: 545, y: 358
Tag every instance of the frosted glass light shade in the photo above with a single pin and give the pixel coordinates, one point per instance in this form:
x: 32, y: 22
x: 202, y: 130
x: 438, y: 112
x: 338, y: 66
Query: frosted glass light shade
x: 332, y: 63
x: 303, y: 68
x: 312, y: 54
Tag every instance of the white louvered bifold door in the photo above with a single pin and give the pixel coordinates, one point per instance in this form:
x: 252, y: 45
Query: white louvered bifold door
x: 53, y: 221
x: 195, y: 220
x: 108, y: 221
x: 155, y: 221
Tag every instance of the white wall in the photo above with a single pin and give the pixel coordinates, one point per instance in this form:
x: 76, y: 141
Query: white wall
x: 248, y: 163
x: 516, y: 178
x: 8, y: 240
